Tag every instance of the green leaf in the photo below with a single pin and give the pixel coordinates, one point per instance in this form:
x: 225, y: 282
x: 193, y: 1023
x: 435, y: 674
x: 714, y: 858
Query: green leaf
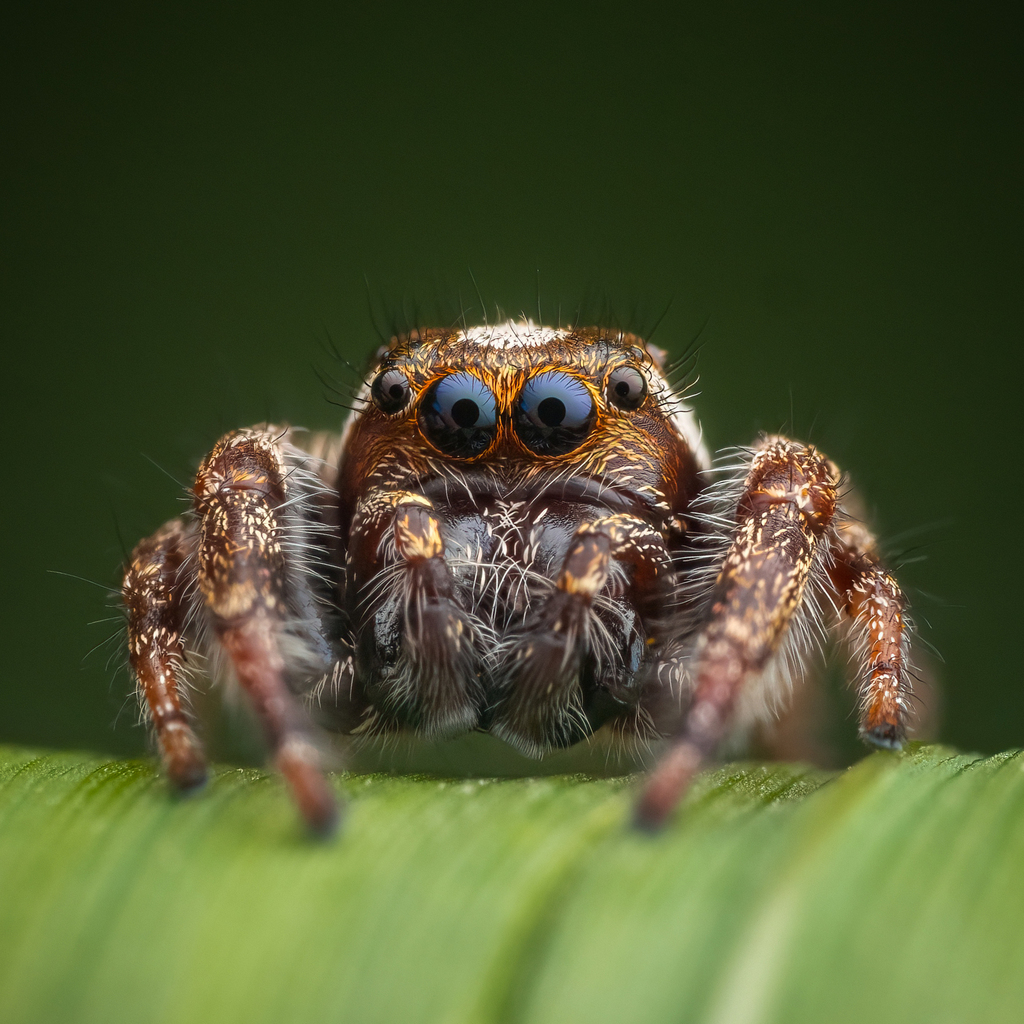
x: 891, y: 892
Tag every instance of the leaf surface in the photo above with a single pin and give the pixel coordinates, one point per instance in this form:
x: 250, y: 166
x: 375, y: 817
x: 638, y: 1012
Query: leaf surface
x: 893, y: 891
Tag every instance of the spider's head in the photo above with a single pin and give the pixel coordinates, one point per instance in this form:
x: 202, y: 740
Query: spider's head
x: 519, y: 402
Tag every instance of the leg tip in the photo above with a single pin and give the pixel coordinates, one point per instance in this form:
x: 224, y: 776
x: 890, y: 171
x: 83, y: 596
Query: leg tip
x: 326, y: 822
x: 298, y: 761
x: 188, y: 775
x: 182, y: 756
x: 886, y: 736
x: 647, y: 818
x: 666, y: 787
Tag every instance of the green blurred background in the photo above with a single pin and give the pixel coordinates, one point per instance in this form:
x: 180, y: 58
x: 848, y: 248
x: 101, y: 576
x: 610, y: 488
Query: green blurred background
x: 192, y: 201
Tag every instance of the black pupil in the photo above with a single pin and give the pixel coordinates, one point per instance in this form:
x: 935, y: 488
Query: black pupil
x: 391, y: 391
x: 465, y: 412
x: 554, y: 413
x: 458, y: 415
x: 551, y: 412
x: 627, y: 388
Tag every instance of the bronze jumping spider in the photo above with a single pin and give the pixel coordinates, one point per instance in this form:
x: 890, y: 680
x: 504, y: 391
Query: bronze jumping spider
x: 518, y: 530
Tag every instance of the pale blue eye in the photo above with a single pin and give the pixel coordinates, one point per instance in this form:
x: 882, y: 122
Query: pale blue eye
x: 554, y: 413
x: 458, y: 415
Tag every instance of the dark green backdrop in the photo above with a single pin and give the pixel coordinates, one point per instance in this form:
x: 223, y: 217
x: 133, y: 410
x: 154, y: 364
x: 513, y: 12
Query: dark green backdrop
x: 191, y: 203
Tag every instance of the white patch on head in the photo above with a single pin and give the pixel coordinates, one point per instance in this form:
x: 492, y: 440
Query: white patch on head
x: 512, y: 334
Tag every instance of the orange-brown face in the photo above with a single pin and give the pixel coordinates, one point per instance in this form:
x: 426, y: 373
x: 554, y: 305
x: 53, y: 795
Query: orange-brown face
x: 519, y: 403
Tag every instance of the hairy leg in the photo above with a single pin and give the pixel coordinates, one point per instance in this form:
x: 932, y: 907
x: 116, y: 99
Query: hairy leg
x: 153, y: 595
x: 242, y: 581
x: 871, y: 601
x: 248, y: 498
x: 871, y: 614
x: 784, y: 515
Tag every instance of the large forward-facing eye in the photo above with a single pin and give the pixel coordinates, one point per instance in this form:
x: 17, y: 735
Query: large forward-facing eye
x: 554, y: 413
x: 458, y: 414
x: 390, y: 391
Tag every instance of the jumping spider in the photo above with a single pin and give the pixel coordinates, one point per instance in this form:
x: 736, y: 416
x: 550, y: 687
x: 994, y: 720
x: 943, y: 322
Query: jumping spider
x: 520, y: 531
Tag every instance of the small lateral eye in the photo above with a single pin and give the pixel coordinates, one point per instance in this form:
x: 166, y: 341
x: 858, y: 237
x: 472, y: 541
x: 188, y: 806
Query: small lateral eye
x: 458, y: 414
x: 626, y: 387
x: 555, y: 412
x: 390, y: 391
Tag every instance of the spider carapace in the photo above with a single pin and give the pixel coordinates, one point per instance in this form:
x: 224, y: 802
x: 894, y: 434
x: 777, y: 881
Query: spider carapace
x: 518, y: 530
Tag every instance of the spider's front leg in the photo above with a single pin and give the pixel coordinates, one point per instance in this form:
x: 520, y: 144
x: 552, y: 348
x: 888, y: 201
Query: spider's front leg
x: 239, y: 583
x: 785, y: 538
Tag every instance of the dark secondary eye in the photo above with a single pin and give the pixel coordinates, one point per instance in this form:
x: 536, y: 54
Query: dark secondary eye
x: 458, y: 414
x: 390, y: 391
x: 554, y: 413
x: 626, y: 387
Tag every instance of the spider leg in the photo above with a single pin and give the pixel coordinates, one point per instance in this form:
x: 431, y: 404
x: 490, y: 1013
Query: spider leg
x: 875, y: 608
x: 417, y: 644
x: 786, y: 509
x: 153, y: 596
x: 257, y: 598
x: 542, y: 703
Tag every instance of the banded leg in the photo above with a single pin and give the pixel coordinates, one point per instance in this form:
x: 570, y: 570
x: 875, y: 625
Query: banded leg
x: 418, y: 647
x: 788, y: 504
x: 543, y: 704
x: 152, y: 593
x: 245, y: 492
x: 872, y: 602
